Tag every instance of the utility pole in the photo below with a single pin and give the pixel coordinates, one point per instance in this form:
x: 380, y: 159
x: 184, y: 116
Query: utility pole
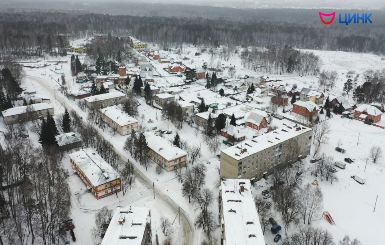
x: 358, y: 139
x: 375, y: 204
x: 153, y: 188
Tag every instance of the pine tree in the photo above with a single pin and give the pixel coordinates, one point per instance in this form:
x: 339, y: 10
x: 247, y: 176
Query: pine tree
x: 327, y: 103
x: 73, y: 64
x: 78, y: 65
x: 348, y: 86
x: 43, y: 133
x: 202, y: 107
x: 99, y: 64
x: 220, y: 122
x: 137, y: 86
x: 208, y: 84
x: 66, y: 122
x: 190, y: 75
x: 102, y: 89
x: 176, y: 141
x: 209, y: 128
x: 147, y: 92
x: 221, y: 92
x: 322, y: 111
x: 328, y: 112
x: 213, y: 80
x: 293, y: 99
x: 94, y: 89
x: 233, y: 121
x: 2, y: 101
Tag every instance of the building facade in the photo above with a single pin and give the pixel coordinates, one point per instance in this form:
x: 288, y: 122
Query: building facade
x: 105, y: 100
x: 119, y: 120
x: 21, y: 114
x: 261, y: 155
x: 305, y: 109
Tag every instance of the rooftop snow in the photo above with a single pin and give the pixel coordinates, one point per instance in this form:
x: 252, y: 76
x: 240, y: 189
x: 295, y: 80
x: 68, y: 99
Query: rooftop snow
x: 240, y: 215
x: 106, y: 96
x: 164, y: 96
x: 23, y: 109
x: 94, y: 167
x: 256, y: 117
x: 67, y: 138
x: 164, y: 147
x: 310, y: 106
x: 131, y: 231
x: 369, y: 109
x: 118, y: 116
x: 205, y: 115
x: 265, y: 141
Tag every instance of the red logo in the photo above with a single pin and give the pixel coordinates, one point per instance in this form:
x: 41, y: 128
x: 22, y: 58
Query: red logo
x: 322, y: 16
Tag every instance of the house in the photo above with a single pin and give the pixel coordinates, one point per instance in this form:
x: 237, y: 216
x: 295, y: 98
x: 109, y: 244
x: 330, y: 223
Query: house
x: 68, y: 141
x: 20, y: 114
x: 367, y: 113
x: 201, y: 119
x: 163, y: 98
x: 239, y: 219
x: 176, y: 68
x: 280, y: 100
x: 262, y: 154
x: 233, y: 134
x: 200, y: 74
x: 341, y: 104
x: 187, y: 107
x: 98, y: 176
x: 118, y: 120
x: 104, y: 100
x: 305, y: 109
x: 129, y: 225
x: 256, y: 119
x: 312, y: 95
x: 165, y: 154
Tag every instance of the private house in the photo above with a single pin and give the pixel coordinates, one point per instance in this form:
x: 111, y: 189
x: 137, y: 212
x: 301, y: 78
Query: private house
x: 238, y: 216
x: 118, y: 120
x: 312, y: 95
x: 165, y: 154
x: 201, y: 119
x: 306, y: 109
x: 27, y: 113
x: 98, y: 176
x: 233, y: 134
x: 129, y: 225
x: 104, y: 100
x: 341, y: 104
x: 200, y: 74
x: 176, y: 68
x: 261, y: 155
x: 280, y: 100
x: 256, y: 119
x: 163, y: 98
x: 68, y: 141
x: 187, y: 107
x: 367, y: 113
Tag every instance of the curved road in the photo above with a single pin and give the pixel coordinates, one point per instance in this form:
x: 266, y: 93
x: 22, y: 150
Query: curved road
x: 188, y: 228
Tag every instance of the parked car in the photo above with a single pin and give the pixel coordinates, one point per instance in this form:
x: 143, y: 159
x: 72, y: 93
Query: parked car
x: 340, y: 165
x: 266, y: 196
x: 265, y: 192
x: 277, y: 238
x: 314, y: 160
x: 275, y: 229
x: 333, y: 170
x: 358, y: 179
x: 348, y: 160
x: 272, y: 221
x: 339, y: 149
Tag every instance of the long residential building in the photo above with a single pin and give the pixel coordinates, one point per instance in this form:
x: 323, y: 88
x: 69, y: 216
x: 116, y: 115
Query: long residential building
x: 164, y: 153
x: 27, y: 113
x: 260, y: 155
x: 119, y: 120
x: 129, y: 225
x: 238, y: 215
x: 98, y: 176
x: 105, y: 100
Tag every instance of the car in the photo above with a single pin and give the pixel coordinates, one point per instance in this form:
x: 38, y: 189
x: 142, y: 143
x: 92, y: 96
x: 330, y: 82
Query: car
x: 275, y: 229
x: 348, y: 160
x: 314, y: 160
x: 272, y: 221
x: 333, y: 170
x: 267, y: 196
x: 339, y: 149
x: 358, y: 179
x: 264, y: 192
x: 277, y: 238
x: 340, y: 165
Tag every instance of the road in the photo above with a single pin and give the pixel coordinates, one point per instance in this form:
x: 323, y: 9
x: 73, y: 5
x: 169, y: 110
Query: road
x: 188, y: 228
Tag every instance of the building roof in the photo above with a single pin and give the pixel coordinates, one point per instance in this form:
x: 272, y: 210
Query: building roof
x: 256, y: 117
x: 310, y: 106
x: 240, y: 216
x: 237, y: 132
x: 250, y: 147
x: 345, y: 103
x: 23, y: 109
x: 68, y: 138
x: 163, y: 147
x: 131, y: 230
x: 106, y: 96
x: 205, y: 115
x: 94, y: 167
x: 164, y: 96
x: 185, y: 104
x: 368, y: 109
x: 117, y: 115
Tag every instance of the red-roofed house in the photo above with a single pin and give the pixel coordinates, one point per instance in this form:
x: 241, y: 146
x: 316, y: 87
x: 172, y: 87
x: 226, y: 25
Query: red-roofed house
x: 367, y: 112
x: 306, y: 109
x: 175, y: 68
x: 256, y: 120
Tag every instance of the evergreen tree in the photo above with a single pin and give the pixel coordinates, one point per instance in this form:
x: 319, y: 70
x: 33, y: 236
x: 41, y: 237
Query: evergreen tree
x: 43, y: 133
x: 102, y: 89
x: 221, y: 92
x: 209, y: 128
x: 66, y: 122
x: 78, y: 65
x: 94, y: 89
x: 147, y: 93
x: 127, y: 81
x: 190, y: 75
x: 328, y: 112
x: 293, y: 99
x: 73, y: 64
x: 233, y: 121
x: 100, y: 63
x: 213, y: 80
x: 137, y: 86
x: 348, y: 86
x: 202, y: 107
x: 176, y: 141
x: 220, y: 122
x: 327, y: 103
x: 8, y: 103
x: 322, y: 111
x: 2, y: 101
x: 208, y: 84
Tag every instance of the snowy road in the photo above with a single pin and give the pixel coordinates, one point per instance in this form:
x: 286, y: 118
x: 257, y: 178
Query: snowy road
x: 188, y: 228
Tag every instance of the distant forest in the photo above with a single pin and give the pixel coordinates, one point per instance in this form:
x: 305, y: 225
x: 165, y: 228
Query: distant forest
x: 49, y: 31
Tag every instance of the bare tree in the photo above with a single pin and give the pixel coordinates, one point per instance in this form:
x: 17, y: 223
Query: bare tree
x: 310, y: 202
x: 194, y: 152
x: 310, y: 236
x: 346, y: 241
x: 263, y: 208
x: 166, y: 227
x: 320, y: 136
x: 375, y: 153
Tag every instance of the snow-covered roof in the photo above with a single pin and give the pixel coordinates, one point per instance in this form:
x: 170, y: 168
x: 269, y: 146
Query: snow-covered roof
x: 23, y: 109
x: 127, y: 226
x: 68, y: 138
x: 369, y: 109
x: 256, y: 117
x: 117, y: 115
x: 163, y: 147
x: 240, y: 216
x: 185, y: 104
x: 205, y: 115
x: 310, y: 106
x: 164, y: 96
x: 250, y: 147
x: 345, y: 103
x: 94, y: 167
x: 237, y: 132
x: 106, y: 96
